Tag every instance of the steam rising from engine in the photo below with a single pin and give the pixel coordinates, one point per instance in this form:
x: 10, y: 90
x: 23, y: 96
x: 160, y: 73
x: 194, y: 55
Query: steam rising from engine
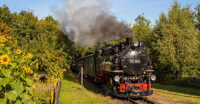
x: 87, y: 21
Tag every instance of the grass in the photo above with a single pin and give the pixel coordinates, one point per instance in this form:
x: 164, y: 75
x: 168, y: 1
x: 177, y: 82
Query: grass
x: 71, y: 93
x: 177, y: 94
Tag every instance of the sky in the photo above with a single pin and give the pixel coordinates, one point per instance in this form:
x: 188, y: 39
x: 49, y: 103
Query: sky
x: 124, y: 10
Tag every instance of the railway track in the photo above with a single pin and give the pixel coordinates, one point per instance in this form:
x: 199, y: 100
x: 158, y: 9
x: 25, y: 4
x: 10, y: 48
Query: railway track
x: 141, y: 100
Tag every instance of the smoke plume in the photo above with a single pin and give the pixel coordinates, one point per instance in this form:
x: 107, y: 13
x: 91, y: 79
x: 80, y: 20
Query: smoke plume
x: 87, y: 21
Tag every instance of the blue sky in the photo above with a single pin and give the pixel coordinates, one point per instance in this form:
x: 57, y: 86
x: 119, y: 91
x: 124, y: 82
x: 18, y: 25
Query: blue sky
x: 124, y: 10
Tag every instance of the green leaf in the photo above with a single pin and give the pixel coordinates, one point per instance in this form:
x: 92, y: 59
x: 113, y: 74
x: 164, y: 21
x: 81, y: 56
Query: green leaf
x: 14, y: 65
x: 30, y: 102
x: 28, y: 81
x: 6, y: 73
x: 18, y: 102
x: 25, y: 98
x: 25, y: 101
x: 0, y: 88
x: 4, y: 81
x: 17, y: 87
x: 12, y: 95
x: 3, y: 101
x: 30, y: 90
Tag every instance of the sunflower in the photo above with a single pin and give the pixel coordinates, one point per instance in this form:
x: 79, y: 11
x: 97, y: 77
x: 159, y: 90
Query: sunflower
x: 27, y: 69
x: 32, y: 63
x: 29, y: 55
x: 10, y: 38
x: 3, y: 39
x: 6, y: 36
x: 5, y: 59
x: 2, y: 45
x: 18, y: 51
x: 31, y: 71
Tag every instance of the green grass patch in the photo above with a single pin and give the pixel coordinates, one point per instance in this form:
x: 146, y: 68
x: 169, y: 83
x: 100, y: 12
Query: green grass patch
x: 71, y: 93
x: 177, y: 94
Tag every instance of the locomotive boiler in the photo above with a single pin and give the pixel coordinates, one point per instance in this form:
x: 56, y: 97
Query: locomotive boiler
x: 125, y: 68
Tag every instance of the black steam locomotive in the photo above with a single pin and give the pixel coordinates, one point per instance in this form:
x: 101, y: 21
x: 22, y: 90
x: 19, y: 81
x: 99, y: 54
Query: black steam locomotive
x: 125, y: 68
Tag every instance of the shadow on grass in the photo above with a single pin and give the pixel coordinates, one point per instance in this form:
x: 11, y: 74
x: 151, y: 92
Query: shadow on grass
x: 69, y: 76
x: 87, y: 83
x: 178, y: 89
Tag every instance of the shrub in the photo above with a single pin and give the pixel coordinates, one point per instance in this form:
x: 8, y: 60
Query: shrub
x: 16, y: 70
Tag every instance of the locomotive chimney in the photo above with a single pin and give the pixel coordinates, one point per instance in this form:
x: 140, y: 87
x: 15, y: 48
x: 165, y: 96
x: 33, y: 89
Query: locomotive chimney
x: 129, y: 40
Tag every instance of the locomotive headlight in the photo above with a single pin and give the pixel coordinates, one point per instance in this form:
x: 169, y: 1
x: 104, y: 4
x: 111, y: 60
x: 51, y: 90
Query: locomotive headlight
x: 153, y: 77
x: 116, y: 78
x: 136, y: 43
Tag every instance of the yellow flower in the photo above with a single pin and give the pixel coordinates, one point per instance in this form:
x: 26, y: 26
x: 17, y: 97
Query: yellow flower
x: 2, y: 45
x: 6, y: 36
x: 3, y: 39
x: 27, y: 69
x: 18, y: 51
x: 10, y: 38
x: 29, y: 55
x: 33, y: 86
x: 32, y: 63
x: 15, y: 42
x: 5, y: 59
x: 31, y: 71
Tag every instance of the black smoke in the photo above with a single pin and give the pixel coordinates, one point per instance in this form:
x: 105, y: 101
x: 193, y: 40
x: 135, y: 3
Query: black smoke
x: 87, y: 21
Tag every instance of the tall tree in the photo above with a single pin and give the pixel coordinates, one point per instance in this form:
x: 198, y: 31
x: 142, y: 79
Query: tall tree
x: 5, y: 15
x: 142, y: 30
x: 177, y: 44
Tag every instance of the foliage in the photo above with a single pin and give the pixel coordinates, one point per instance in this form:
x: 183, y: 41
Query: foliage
x: 43, y: 38
x: 45, y: 45
x: 39, y: 44
x: 142, y: 31
x: 175, y: 44
x: 16, y: 71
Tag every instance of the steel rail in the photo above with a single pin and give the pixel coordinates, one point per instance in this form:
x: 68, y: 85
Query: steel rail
x: 143, y: 100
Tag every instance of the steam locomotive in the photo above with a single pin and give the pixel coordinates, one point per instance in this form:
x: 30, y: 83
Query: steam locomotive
x: 125, y: 68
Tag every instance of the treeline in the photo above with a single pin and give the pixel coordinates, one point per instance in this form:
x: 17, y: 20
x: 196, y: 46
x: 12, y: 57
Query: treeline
x: 173, y: 42
x: 43, y: 38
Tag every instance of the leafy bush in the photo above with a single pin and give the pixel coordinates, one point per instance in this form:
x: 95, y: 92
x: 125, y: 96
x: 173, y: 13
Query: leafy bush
x: 38, y: 53
x: 16, y: 71
x: 22, y: 62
